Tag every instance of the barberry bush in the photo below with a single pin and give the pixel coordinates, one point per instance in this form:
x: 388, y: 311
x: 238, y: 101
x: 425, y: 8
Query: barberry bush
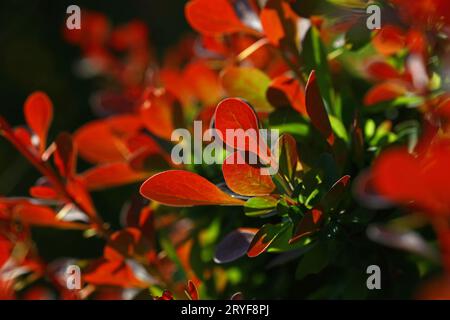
x: 363, y: 159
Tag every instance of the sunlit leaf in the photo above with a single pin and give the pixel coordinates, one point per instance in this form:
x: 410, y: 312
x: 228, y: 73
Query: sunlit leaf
x: 280, y: 23
x: 38, y: 111
x: 111, y: 175
x: 286, y: 91
x: 213, y: 17
x: 247, y: 83
x: 259, y: 206
x: 182, y: 189
x: 245, y: 179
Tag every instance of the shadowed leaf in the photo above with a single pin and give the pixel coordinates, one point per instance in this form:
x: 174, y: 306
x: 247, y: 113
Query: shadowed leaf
x: 234, y: 245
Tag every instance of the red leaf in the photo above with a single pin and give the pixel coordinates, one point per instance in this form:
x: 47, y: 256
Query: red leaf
x: 279, y: 22
x: 36, y: 215
x: 286, y: 91
x: 122, y: 244
x: 245, y: 179
x: 24, y: 136
x: 263, y: 239
x: 157, y: 113
x: 43, y: 192
x: 316, y: 109
x: 65, y: 155
x: 104, y: 140
x: 5, y: 251
x: 111, y: 175
x: 383, y: 92
x: 113, y: 273
x: 38, y: 111
x: 167, y: 295
x: 415, y: 181
x: 389, y: 40
x: 191, y: 290
x: 213, y: 17
x: 236, y: 121
x: 78, y: 191
x: 182, y: 188
x: 334, y: 195
x: 382, y: 71
x: 204, y: 82
x: 309, y: 224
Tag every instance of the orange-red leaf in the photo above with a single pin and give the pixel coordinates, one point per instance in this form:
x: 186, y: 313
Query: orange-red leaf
x: 263, y: 239
x: 316, y: 109
x: 122, y: 244
x: 287, y: 91
x: 234, y: 114
x: 417, y: 181
x: 158, y: 112
x: 213, y: 17
x: 111, y: 175
x: 383, y: 92
x: 104, y: 140
x: 245, y: 179
x: 309, y: 224
x: 279, y: 22
x: 5, y: 250
x: 192, y: 291
x: 204, y: 82
x: 36, y: 215
x: 38, y: 111
x: 65, y: 155
x: 389, y: 40
x: 43, y: 192
x: 113, y: 273
x: 182, y: 188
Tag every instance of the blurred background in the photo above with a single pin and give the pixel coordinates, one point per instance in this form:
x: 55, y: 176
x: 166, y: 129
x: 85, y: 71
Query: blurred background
x: 35, y: 56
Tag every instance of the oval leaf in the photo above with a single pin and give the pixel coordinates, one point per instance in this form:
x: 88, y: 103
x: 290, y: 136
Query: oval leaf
x: 234, y: 245
x: 316, y: 109
x: 180, y: 188
x: 248, y: 83
x: 38, y: 111
x: 245, y: 179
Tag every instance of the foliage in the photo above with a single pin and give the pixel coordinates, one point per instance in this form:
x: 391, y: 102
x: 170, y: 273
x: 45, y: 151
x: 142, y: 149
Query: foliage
x: 363, y: 158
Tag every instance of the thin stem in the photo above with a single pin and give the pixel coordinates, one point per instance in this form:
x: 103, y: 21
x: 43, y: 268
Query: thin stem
x: 48, y: 172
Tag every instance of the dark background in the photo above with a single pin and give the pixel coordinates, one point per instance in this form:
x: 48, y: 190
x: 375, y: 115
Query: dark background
x: 34, y: 56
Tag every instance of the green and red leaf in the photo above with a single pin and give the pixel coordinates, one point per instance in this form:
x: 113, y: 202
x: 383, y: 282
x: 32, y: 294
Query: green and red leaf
x: 316, y: 109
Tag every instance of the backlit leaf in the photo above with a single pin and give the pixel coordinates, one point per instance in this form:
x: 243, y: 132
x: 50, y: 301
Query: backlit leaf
x: 316, y: 109
x: 247, y: 83
x: 245, y: 179
x: 182, y: 189
x: 111, y: 175
x: 262, y: 240
x: 38, y: 111
x: 213, y: 17
x: 258, y: 206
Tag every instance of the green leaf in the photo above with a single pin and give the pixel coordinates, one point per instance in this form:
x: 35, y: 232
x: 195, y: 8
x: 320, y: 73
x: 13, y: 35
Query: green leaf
x: 258, y: 206
x: 248, y: 83
x: 339, y: 128
x: 313, y: 262
x: 315, y: 57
